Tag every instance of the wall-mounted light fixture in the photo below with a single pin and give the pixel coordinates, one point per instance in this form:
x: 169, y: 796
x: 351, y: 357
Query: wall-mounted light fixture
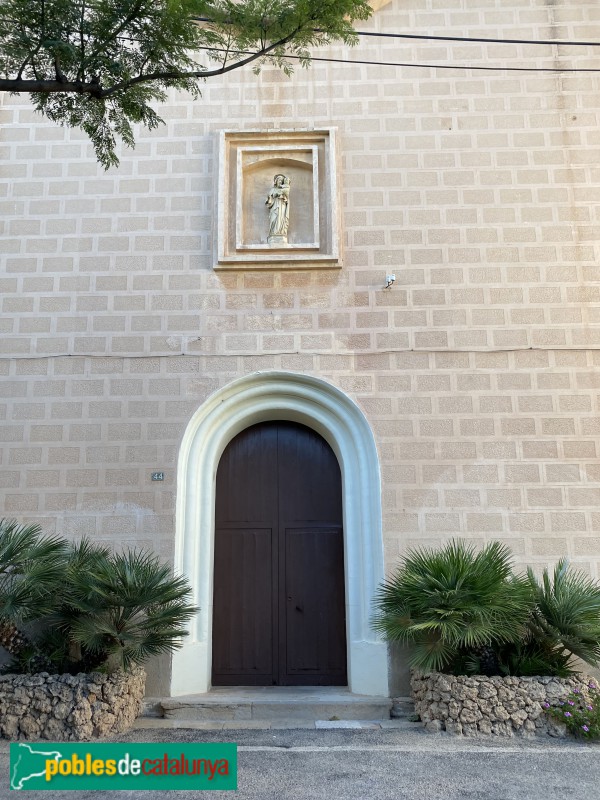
x: 390, y: 280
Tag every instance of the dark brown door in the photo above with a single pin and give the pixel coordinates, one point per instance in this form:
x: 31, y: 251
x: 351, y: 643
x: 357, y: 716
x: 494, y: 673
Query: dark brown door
x: 278, y: 613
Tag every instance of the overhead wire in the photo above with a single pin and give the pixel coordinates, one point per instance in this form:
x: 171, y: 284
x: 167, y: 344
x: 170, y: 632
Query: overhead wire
x: 441, y: 38
x: 427, y: 65
x: 421, y: 65
x: 434, y: 37
x: 476, y: 39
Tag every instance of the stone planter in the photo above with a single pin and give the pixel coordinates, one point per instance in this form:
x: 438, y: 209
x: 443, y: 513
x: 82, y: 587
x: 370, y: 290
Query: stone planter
x: 478, y: 706
x: 69, y: 707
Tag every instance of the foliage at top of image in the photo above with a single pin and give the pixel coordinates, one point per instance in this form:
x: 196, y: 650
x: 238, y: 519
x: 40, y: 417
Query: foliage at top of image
x: 465, y: 611
x: 90, y: 608
x: 99, y: 64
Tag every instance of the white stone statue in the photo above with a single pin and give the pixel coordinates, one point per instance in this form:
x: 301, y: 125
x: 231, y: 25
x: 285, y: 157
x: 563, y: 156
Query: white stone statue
x: 278, y: 202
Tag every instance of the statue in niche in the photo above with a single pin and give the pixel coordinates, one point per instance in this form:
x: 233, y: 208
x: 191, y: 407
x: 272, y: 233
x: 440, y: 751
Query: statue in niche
x: 278, y: 202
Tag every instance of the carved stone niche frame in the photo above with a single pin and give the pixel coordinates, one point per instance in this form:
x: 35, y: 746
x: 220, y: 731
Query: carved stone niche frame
x: 248, y: 164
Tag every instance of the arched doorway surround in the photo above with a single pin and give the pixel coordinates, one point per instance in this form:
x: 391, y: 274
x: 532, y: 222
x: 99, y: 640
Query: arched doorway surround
x: 319, y: 405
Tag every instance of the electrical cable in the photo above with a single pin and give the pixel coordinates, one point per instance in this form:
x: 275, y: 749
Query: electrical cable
x: 436, y: 38
x: 420, y: 65
x: 267, y: 354
x: 476, y: 39
x: 432, y: 37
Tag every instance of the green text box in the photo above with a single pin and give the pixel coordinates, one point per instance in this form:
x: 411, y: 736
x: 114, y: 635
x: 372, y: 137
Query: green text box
x: 90, y: 765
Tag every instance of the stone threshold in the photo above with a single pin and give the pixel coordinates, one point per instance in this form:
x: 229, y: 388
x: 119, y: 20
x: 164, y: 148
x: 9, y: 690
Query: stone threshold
x: 160, y: 723
x: 285, y: 703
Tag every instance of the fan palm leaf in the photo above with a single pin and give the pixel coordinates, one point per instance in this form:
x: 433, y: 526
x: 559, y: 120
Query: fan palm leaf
x: 567, y: 612
x: 451, y: 600
x: 30, y: 569
x: 127, y: 606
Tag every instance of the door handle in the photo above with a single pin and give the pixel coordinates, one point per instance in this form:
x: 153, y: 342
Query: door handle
x: 301, y: 610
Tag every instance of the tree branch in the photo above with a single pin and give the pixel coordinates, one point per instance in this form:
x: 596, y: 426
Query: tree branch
x: 32, y: 53
x: 46, y: 86
x: 113, y: 34
x: 81, y: 70
x: 152, y: 76
x: 227, y: 49
x: 94, y: 89
x: 30, y: 57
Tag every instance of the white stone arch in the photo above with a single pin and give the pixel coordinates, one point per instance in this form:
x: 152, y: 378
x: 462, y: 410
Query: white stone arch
x: 313, y: 402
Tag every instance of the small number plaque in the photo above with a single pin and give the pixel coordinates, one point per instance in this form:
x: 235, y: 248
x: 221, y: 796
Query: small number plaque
x: 158, y: 476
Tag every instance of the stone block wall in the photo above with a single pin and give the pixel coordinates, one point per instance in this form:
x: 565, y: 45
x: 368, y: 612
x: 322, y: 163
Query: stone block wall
x: 478, y: 371
x: 69, y: 707
x: 477, y: 705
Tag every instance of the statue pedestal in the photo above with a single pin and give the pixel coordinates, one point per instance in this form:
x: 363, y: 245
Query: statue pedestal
x: 277, y: 241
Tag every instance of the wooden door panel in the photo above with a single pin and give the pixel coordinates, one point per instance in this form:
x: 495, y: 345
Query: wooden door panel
x: 310, y: 489
x: 243, y: 607
x: 314, y: 630
x: 278, y: 535
x: 247, y: 478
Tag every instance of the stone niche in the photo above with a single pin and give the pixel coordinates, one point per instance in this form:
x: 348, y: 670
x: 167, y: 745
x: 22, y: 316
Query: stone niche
x: 249, y: 163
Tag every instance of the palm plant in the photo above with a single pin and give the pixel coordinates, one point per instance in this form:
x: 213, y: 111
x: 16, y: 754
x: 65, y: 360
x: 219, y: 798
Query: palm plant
x: 95, y: 609
x: 530, y: 657
x: 119, y: 609
x: 30, y: 566
x: 453, y: 604
x: 566, y: 616
x: 79, y: 568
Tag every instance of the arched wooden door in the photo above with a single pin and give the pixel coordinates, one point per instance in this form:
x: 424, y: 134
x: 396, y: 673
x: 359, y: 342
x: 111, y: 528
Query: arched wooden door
x: 278, y: 603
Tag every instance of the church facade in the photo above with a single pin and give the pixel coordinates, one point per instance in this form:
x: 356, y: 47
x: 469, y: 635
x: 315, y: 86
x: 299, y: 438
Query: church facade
x: 311, y: 323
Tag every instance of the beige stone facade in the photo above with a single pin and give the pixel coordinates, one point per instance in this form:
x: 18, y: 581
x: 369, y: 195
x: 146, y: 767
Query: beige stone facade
x: 477, y: 371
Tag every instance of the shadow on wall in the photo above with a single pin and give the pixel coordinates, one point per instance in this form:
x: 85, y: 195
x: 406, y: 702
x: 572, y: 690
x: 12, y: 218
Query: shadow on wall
x: 399, y: 670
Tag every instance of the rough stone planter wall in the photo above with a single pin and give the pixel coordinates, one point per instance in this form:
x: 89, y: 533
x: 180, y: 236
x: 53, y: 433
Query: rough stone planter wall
x: 477, y: 705
x: 69, y: 707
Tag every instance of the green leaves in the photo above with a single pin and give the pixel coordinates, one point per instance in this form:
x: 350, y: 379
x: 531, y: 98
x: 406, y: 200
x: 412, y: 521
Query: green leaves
x: 30, y: 566
x: 99, y: 64
x: 453, y: 599
x: 97, y: 608
x: 122, y: 608
x: 451, y: 604
x: 567, y: 612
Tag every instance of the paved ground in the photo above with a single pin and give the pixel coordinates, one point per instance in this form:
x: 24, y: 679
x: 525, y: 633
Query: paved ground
x: 402, y: 763
x: 152, y: 723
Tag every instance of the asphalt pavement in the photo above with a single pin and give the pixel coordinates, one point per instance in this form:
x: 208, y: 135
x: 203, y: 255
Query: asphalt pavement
x: 384, y: 764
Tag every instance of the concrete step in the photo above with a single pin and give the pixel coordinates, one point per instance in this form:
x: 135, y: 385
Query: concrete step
x: 287, y: 703
x: 159, y: 723
x: 402, y: 707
